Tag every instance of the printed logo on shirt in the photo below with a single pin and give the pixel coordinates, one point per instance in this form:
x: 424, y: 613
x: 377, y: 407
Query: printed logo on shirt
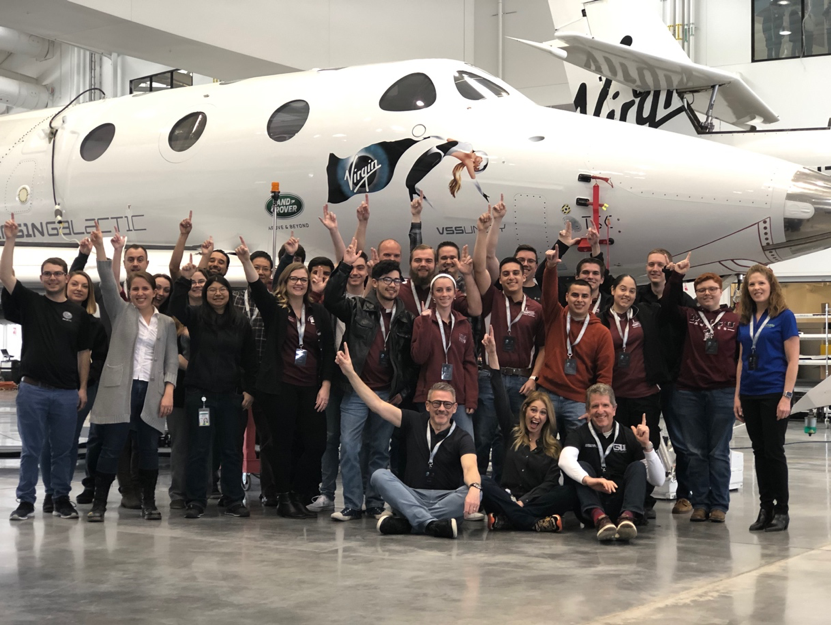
x: 463, y: 338
x: 590, y: 445
x: 530, y: 313
x: 67, y: 316
x: 695, y: 320
x: 619, y: 447
x: 636, y: 323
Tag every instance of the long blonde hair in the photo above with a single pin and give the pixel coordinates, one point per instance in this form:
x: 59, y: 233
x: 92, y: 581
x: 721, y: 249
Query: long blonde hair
x: 281, y: 290
x: 89, y: 305
x: 776, y: 302
x: 456, y: 182
x: 547, y: 440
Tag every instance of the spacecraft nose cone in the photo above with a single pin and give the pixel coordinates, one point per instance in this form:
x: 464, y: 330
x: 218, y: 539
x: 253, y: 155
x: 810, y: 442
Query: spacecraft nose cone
x: 807, y: 213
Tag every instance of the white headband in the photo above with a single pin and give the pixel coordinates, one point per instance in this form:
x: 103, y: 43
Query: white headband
x: 443, y: 275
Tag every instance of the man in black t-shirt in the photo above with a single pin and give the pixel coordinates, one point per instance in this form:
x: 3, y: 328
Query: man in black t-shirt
x: 611, y: 465
x: 441, y: 480
x: 55, y: 365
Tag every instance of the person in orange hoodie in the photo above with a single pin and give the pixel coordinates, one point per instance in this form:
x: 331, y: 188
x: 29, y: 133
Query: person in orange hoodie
x: 578, y: 348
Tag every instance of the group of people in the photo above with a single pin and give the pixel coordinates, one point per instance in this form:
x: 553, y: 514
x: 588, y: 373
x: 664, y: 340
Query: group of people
x: 412, y: 387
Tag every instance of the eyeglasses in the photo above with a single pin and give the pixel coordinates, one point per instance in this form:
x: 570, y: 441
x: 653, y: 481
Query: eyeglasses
x: 390, y: 281
x: 217, y: 291
x: 448, y: 405
x: 298, y: 280
x: 53, y: 274
x: 708, y: 289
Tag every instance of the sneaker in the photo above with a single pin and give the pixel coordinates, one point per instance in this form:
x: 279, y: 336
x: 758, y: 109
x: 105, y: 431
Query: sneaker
x: 682, y: 506
x: 347, y: 514
x: 718, y: 516
x: 64, y: 508
x: 393, y: 525
x: 194, y: 511
x: 26, y: 510
x: 476, y: 517
x: 551, y: 523
x: 626, y: 529
x: 48, y: 505
x: 606, y: 530
x: 376, y: 512
x: 497, y: 522
x: 268, y: 503
x: 237, y: 510
x: 178, y: 504
x: 96, y: 515
x: 85, y: 496
x: 446, y: 528
x: 321, y: 503
x: 699, y: 515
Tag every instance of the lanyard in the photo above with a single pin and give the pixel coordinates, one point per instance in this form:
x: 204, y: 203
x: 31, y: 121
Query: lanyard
x: 508, y: 311
x: 604, y: 454
x: 248, y: 307
x: 569, y: 346
x: 435, y: 449
x: 383, y: 329
x: 755, y: 334
x: 596, y: 305
x: 710, y: 331
x: 623, y: 335
x: 445, y: 341
x: 421, y: 308
x: 301, y: 326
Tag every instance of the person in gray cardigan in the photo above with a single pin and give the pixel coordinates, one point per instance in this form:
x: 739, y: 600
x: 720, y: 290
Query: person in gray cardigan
x: 136, y: 387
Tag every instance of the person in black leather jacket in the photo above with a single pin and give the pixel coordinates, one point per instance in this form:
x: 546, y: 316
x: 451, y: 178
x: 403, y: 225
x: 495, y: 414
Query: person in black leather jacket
x: 378, y: 331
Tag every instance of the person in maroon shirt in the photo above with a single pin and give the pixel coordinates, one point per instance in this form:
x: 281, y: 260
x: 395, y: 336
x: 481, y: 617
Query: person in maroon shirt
x: 416, y: 291
x: 704, y: 396
x: 293, y: 382
x: 443, y: 346
x: 639, y: 365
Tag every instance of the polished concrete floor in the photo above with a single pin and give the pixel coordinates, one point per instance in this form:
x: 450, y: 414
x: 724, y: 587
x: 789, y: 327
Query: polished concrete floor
x: 271, y: 570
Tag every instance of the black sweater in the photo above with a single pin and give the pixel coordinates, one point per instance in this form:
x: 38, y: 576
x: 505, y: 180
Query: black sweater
x: 221, y: 361
x: 655, y: 326
x: 527, y: 473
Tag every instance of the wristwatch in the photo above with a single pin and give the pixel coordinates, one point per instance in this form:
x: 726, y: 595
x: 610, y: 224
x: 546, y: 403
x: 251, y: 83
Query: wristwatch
x: 788, y: 394
x: 475, y: 485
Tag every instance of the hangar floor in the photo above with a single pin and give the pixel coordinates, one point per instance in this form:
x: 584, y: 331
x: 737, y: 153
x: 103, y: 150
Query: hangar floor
x: 267, y: 569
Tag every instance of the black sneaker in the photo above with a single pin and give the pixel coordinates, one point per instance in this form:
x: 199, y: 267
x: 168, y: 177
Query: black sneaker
x: 96, y: 515
x: 347, y: 514
x: 85, y: 496
x: 64, y: 508
x: 237, y: 510
x: 394, y: 525
x: 194, y: 511
x: 375, y: 512
x: 26, y: 510
x: 178, y: 504
x: 446, y: 528
x: 48, y: 505
x: 268, y: 503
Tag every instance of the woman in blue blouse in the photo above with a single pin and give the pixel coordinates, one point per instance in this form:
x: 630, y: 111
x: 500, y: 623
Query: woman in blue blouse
x: 765, y: 379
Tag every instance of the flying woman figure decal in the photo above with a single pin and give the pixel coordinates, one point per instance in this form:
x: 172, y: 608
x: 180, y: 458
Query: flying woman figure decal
x: 371, y: 169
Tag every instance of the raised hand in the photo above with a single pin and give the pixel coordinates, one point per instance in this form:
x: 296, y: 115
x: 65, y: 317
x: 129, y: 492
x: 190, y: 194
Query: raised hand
x: 118, y: 241
x: 85, y: 246
x: 189, y: 269
x: 242, y: 251
x: 329, y: 219
x: 592, y: 236
x: 186, y: 225
x: 499, y: 209
x: 683, y: 266
x: 10, y: 228
x: 489, y: 343
x: 416, y: 206
x: 96, y: 237
x: 642, y: 433
x: 207, y: 246
x: 374, y: 259
x: 552, y: 258
x: 464, y: 265
x: 485, y: 221
x: 292, y: 244
x: 344, y: 360
x: 351, y: 253
x: 363, y: 209
x: 566, y: 235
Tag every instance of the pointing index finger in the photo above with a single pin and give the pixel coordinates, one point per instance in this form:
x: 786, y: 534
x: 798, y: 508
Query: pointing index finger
x: 643, y: 419
x: 190, y: 215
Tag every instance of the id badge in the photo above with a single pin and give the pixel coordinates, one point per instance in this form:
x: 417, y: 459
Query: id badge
x: 204, y: 417
x: 570, y: 367
x: 509, y: 343
x: 300, y: 357
x: 447, y: 372
x: 752, y: 361
x: 623, y: 360
x: 384, y: 360
x: 711, y: 347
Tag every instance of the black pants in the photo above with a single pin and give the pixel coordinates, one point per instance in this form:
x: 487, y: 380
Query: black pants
x: 630, y: 411
x: 767, y: 436
x: 629, y: 495
x: 298, y: 439
x: 497, y: 500
x: 264, y: 435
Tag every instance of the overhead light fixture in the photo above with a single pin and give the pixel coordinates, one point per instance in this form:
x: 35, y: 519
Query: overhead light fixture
x: 783, y: 2
x: 784, y: 32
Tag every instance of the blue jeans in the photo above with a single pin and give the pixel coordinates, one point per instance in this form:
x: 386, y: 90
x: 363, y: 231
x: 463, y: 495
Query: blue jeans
x: 46, y: 454
x: 488, y: 433
x: 331, y: 457
x: 512, y: 384
x: 707, y: 424
x: 420, y: 507
x: 462, y: 419
x: 568, y: 413
x: 113, y: 436
x: 227, y: 421
x: 354, y: 415
x: 676, y: 437
x: 41, y: 413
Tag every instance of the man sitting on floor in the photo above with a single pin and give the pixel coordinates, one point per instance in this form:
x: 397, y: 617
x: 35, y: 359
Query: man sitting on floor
x: 611, y: 465
x: 441, y: 481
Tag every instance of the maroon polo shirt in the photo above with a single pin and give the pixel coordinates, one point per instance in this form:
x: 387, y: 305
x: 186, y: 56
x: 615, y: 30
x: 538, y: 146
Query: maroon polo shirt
x: 301, y: 375
x: 705, y: 372
x: 374, y: 375
x: 630, y: 382
x: 406, y: 295
x: 528, y: 330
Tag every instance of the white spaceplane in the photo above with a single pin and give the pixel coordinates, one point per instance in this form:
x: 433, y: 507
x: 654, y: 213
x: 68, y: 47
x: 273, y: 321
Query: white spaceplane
x: 438, y: 127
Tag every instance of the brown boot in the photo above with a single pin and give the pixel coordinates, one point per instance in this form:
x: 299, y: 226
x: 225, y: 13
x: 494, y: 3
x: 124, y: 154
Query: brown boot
x: 699, y: 515
x: 682, y: 506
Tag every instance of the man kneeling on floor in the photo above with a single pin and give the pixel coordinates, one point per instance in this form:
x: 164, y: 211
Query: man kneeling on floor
x: 611, y: 465
x: 441, y: 480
